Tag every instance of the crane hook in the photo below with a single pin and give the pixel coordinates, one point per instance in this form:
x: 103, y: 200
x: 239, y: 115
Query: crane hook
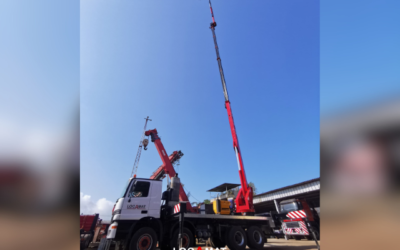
x: 145, y: 143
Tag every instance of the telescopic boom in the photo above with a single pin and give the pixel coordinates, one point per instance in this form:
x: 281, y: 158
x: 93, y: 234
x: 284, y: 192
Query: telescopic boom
x: 244, y: 199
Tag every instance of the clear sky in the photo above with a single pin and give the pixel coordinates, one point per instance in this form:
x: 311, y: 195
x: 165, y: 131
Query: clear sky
x: 39, y: 63
x: 156, y: 58
x: 360, y: 53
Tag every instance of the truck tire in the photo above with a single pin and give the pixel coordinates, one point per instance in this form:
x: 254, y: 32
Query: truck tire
x: 187, y: 242
x: 144, y: 239
x: 255, y: 238
x: 236, y: 238
x: 216, y: 242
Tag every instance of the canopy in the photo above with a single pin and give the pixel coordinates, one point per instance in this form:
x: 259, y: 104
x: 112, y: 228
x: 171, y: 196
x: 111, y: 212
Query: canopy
x: 223, y: 187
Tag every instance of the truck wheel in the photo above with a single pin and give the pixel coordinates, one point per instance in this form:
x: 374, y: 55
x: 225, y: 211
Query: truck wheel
x: 255, y: 238
x: 187, y: 239
x: 216, y: 242
x: 236, y: 238
x: 144, y: 239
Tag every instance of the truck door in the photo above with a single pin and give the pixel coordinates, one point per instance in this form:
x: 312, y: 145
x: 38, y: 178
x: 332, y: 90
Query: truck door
x: 155, y: 199
x: 137, y: 200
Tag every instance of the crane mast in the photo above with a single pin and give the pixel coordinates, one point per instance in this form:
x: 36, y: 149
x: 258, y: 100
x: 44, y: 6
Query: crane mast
x: 244, y: 199
x: 139, y: 152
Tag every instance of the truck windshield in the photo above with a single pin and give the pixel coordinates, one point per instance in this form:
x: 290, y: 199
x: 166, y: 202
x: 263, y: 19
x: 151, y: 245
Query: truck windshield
x: 288, y: 207
x: 124, y: 190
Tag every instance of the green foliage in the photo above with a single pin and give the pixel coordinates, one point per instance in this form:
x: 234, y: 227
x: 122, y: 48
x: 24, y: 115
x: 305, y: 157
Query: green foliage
x: 206, y: 201
x: 251, y: 184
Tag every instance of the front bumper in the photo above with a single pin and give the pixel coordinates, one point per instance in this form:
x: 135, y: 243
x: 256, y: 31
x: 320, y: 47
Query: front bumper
x: 112, y: 230
x: 300, y: 230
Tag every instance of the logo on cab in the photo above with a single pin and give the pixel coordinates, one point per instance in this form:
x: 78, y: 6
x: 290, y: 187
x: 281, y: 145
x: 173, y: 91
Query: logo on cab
x: 136, y: 206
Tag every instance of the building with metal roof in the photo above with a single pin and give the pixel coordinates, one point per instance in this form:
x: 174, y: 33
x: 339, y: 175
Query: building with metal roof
x: 266, y: 202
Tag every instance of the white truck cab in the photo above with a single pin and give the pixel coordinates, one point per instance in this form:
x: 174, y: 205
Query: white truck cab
x: 141, y: 198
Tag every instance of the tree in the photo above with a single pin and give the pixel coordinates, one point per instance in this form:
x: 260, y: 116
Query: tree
x: 231, y: 192
x: 235, y: 191
x: 251, y: 184
x: 206, y: 201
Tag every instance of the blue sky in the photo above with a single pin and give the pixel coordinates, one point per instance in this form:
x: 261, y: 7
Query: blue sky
x: 360, y: 53
x: 157, y: 59
x: 39, y: 63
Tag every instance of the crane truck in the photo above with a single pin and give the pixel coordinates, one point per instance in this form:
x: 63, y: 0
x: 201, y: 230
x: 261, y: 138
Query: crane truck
x: 139, y: 222
x: 298, y: 218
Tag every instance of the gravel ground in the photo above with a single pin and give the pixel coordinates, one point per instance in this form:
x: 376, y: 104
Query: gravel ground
x: 280, y: 244
x: 283, y: 244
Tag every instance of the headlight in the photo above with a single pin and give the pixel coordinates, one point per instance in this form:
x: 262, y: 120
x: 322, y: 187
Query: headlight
x: 118, y: 211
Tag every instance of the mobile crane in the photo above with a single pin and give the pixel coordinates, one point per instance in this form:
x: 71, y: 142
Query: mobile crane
x: 244, y: 198
x: 139, y: 222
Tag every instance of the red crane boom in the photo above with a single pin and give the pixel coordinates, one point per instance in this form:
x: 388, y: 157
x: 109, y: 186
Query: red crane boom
x: 167, y: 165
x: 244, y: 199
x: 160, y: 172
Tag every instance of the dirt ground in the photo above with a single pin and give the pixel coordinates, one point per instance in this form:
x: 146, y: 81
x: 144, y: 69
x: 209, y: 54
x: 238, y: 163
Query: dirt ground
x: 283, y: 244
x: 279, y: 244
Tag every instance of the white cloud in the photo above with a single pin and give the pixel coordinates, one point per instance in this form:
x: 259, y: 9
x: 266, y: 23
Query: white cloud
x: 102, y: 206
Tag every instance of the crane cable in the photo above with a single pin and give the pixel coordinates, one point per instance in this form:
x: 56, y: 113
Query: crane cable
x: 190, y: 193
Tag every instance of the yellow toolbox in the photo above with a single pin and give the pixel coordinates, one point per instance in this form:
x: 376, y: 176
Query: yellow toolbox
x: 221, y: 207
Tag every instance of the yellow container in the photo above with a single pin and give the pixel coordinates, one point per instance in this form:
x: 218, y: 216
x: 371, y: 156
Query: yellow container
x: 221, y: 207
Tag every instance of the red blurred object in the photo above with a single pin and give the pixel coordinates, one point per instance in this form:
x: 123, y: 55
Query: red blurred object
x: 87, y: 227
x: 88, y: 222
x: 12, y: 173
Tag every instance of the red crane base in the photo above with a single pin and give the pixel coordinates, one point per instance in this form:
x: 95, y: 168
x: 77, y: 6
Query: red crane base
x: 244, y: 201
